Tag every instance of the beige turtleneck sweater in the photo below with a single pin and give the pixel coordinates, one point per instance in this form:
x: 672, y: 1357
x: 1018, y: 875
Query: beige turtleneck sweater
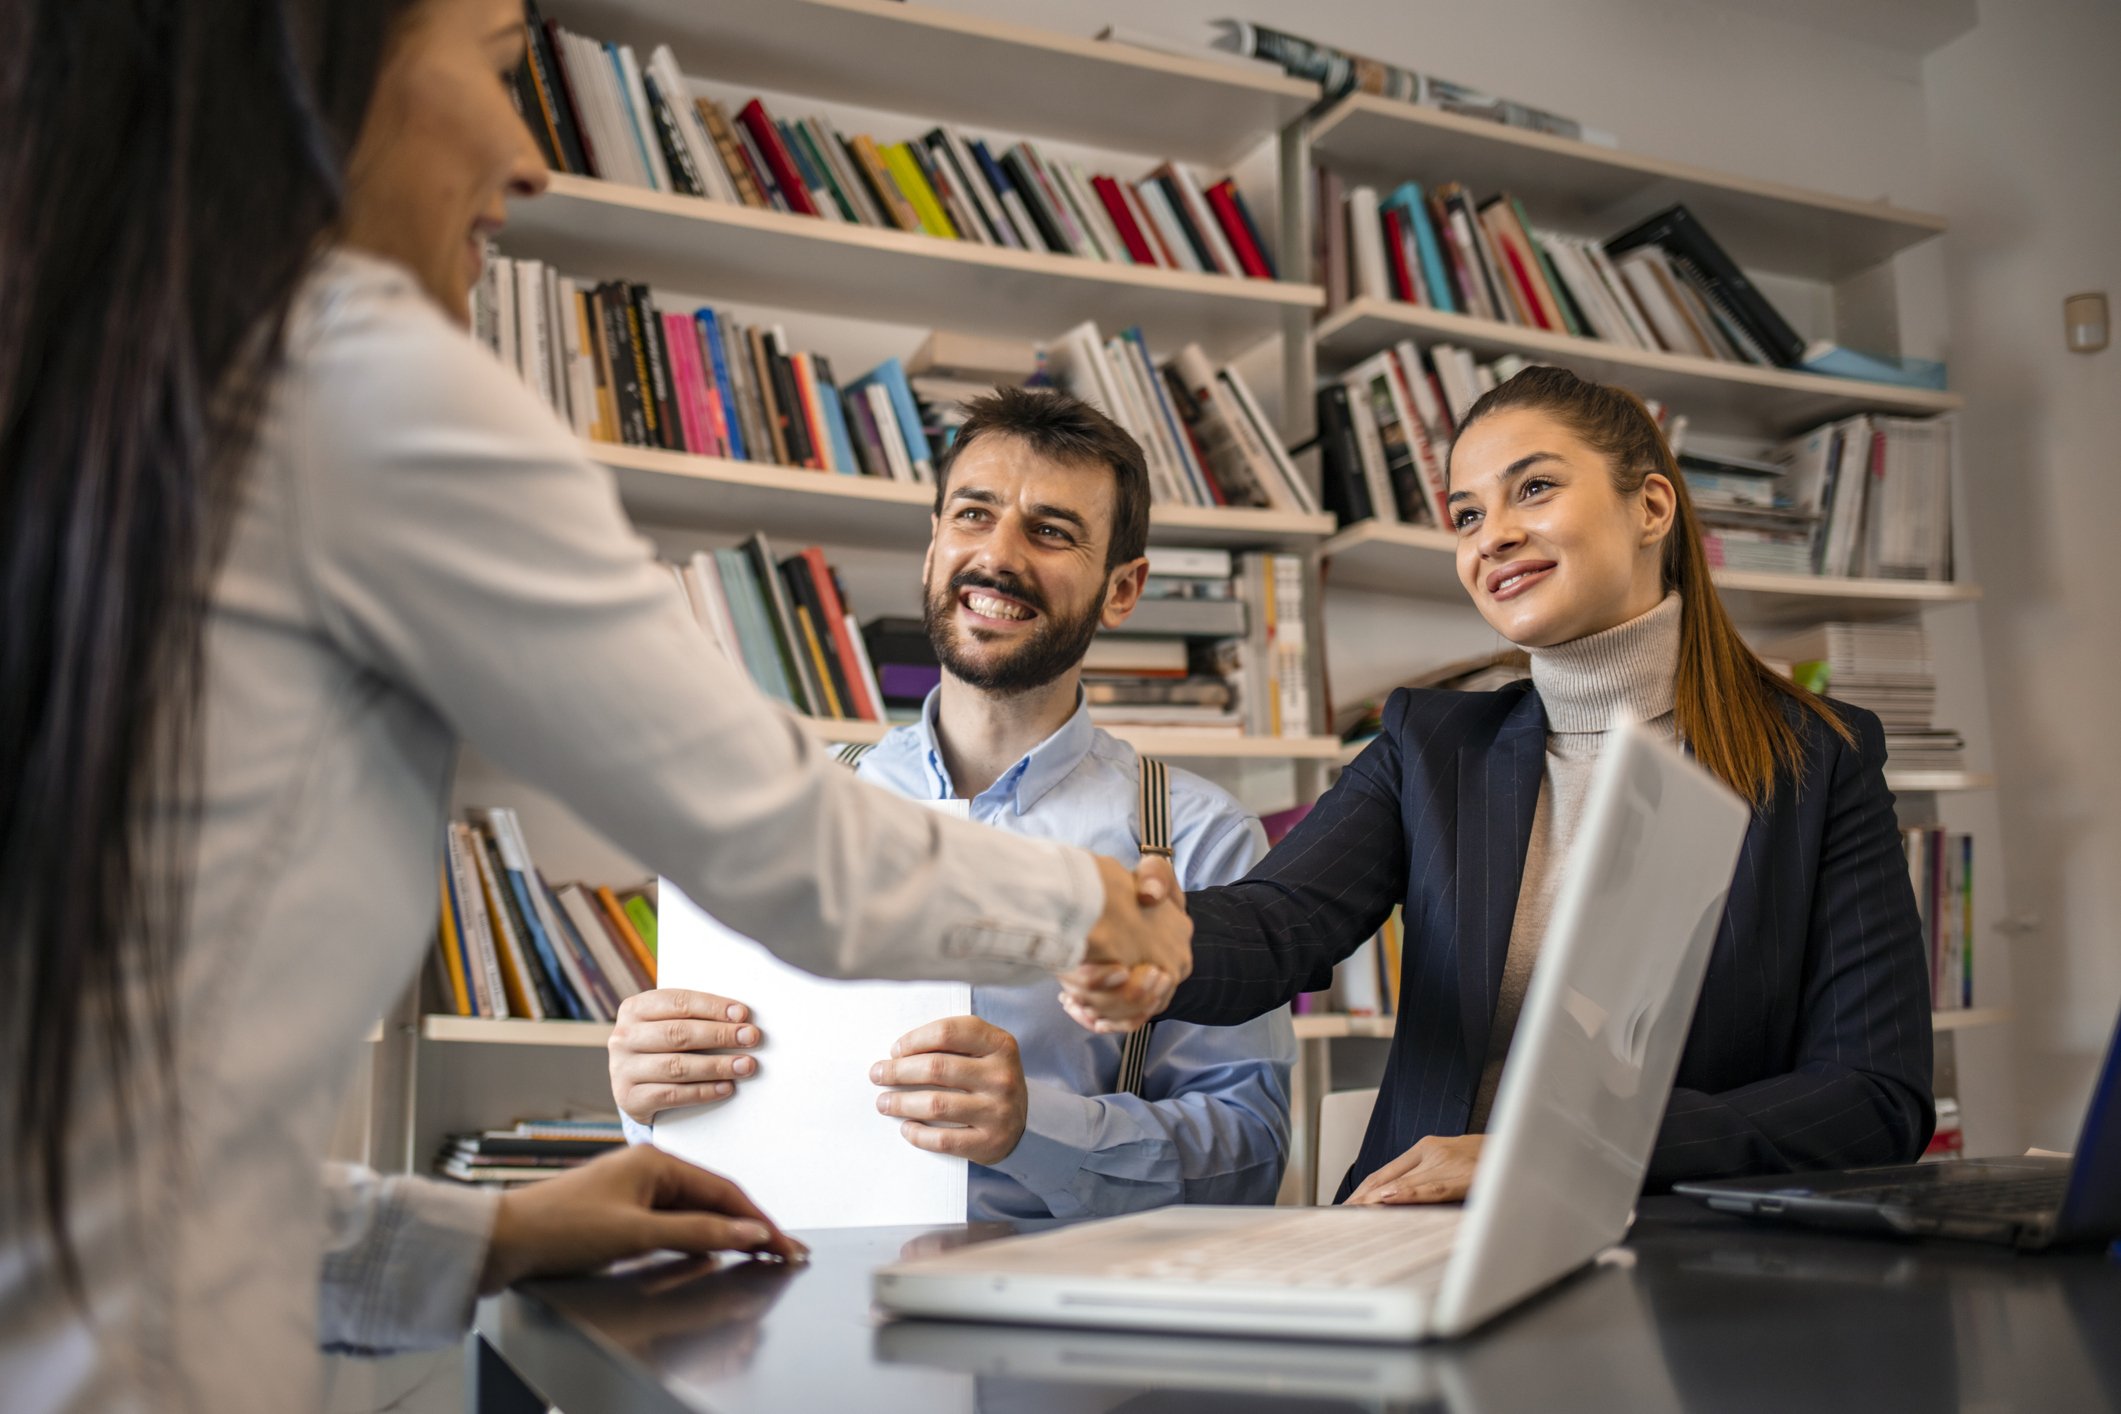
x: 1583, y: 684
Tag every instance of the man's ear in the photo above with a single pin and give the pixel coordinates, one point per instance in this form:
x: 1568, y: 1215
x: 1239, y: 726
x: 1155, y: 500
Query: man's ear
x: 1123, y: 591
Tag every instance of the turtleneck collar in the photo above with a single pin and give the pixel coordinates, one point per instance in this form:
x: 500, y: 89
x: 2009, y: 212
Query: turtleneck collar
x: 1631, y: 667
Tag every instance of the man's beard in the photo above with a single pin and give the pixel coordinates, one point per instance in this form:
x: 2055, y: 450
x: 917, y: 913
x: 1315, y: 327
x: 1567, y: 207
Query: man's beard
x: 1053, y: 646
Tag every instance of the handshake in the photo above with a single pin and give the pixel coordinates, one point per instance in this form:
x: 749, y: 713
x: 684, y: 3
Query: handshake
x: 1138, y: 951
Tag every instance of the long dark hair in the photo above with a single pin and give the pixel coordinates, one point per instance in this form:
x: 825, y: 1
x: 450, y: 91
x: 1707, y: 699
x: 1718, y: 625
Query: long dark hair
x: 1728, y: 704
x: 170, y: 168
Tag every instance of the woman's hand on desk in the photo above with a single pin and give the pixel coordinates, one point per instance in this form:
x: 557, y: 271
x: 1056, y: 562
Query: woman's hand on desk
x: 1439, y: 1169
x: 662, y: 1050
x: 637, y: 1200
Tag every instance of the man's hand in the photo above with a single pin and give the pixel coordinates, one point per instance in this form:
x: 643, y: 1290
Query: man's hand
x: 658, y: 1050
x: 970, y: 1075
x: 1439, y: 1169
x: 1114, y: 999
x: 637, y: 1200
x: 1139, y: 950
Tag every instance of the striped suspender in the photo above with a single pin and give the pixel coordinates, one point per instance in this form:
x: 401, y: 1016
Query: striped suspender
x: 1155, y: 810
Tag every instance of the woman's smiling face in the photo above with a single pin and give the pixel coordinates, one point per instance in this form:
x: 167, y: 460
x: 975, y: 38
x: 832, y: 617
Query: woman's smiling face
x: 1548, y: 549
x: 442, y: 147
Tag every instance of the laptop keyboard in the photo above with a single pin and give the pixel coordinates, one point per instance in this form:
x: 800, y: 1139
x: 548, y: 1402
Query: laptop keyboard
x: 2007, y: 1195
x: 1307, y: 1252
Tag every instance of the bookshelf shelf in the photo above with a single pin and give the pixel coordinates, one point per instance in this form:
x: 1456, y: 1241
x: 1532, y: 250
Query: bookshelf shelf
x: 1576, y: 185
x: 511, y: 1031
x: 1940, y: 781
x: 1972, y: 1017
x: 1165, y: 742
x: 1720, y: 396
x: 1419, y: 561
x: 956, y: 67
x: 678, y: 488
x: 606, y: 230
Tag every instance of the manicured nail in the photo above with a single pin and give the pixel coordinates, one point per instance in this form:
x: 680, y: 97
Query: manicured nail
x: 723, y: 1089
x: 747, y: 1035
x: 876, y: 1073
x: 752, y: 1233
x: 744, y: 1065
x: 883, y: 1105
x: 736, y: 1012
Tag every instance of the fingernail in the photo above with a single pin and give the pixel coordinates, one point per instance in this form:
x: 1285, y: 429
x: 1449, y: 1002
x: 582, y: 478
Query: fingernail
x: 883, y: 1104
x: 724, y: 1089
x: 747, y: 1036
x: 736, y: 1012
x: 876, y: 1073
x: 744, y: 1065
x: 751, y: 1233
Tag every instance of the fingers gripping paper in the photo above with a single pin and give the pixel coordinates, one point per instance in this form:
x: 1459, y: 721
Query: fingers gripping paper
x: 803, y: 1136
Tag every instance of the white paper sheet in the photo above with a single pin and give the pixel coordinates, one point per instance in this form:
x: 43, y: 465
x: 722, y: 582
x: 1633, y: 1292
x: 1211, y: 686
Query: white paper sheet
x: 802, y: 1136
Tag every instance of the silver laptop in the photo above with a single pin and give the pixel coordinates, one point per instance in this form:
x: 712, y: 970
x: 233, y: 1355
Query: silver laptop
x: 1589, y: 1073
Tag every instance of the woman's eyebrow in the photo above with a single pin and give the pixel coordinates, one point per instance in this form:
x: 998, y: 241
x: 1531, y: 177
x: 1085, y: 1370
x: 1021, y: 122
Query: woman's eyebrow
x: 1515, y: 468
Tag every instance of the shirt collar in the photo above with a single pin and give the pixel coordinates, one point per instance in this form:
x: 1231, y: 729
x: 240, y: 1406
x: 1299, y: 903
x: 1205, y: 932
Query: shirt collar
x: 1037, y: 772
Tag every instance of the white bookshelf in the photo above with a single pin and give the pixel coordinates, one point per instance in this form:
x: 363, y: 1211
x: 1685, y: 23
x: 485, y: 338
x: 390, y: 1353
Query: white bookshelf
x: 1766, y: 226
x: 951, y: 66
x: 1715, y: 396
x: 1420, y: 562
x: 596, y: 229
x: 717, y: 493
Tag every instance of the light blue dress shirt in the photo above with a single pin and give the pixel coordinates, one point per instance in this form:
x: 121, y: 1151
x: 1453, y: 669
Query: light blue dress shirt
x: 1212, y: 1122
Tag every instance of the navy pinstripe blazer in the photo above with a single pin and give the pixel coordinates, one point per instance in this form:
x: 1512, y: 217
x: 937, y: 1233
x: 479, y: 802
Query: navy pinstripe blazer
x: 1810, y: 1046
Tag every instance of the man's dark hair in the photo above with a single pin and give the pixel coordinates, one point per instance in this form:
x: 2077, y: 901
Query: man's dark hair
x: 1067, y: 429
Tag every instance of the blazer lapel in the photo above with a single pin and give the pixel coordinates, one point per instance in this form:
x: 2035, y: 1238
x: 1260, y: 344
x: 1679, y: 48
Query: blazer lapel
x: 1498, y: 792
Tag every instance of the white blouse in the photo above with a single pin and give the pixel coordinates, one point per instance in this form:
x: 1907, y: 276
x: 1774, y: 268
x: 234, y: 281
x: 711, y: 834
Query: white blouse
x: 421, y: 555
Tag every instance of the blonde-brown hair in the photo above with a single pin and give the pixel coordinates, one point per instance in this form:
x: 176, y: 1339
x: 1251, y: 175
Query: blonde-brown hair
x: 1728, y: 704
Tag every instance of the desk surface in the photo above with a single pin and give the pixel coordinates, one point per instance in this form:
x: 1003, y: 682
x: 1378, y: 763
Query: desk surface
x: 1701, y: 1312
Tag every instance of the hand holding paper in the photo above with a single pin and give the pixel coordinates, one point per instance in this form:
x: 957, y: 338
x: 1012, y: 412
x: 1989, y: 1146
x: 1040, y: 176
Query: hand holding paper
x: 966, y: 1092
x: 661, y: 1050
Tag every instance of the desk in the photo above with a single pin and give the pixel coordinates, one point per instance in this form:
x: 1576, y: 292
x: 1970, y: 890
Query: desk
x: 1700, y: 1312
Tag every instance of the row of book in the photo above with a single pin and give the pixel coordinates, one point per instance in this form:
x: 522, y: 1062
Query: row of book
x: 789, y: 623
x: 511, y: 944
x: 1886, y: 668
x: 1940, y: 866
x: 618, y: 367
x: 528, y: 1150
x: 1664, y: 284
x: 1206, y: 440
x: 597, y: 111
x: 1386, y: 426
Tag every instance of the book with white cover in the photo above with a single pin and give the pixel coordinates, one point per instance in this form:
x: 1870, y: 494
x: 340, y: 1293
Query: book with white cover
x: 796, y: 1130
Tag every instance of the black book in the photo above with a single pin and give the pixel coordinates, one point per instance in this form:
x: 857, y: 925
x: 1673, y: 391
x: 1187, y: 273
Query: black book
x: 1694, y: 252
x: 661, y: 384
x: 1343, y: 490
x: 676, y: 156
x: 795, y: 424
x: 945, y: 156
x: 787, y: 633
x: 545, y: 71
x: 1185, y: 223
x: 811, y: 605
x: 524, y: 90
x: 612, y: 307
x: 1042, y: 216
x: 898, y: 640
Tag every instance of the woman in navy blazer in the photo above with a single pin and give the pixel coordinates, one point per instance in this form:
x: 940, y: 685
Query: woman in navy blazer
x: 1811, y: 1043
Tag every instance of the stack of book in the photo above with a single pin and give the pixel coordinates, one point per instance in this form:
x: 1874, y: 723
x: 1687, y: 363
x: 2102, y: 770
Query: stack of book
x: 531, y: 1150
x: 950, y: 369
x: 907, y: 669
x: 1881, y: 488
x: 618, y: 367
x: 1385, y: 429
x: 1884, y: 668
x: 1205, y: 437
x: 1940, y: 866
x: 1749, y: 517
x: 510, y: 944
x: 597, y: 111
x: 789, y: 624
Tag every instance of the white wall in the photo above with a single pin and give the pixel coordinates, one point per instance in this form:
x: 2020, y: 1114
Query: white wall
x: 2023, y: 113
